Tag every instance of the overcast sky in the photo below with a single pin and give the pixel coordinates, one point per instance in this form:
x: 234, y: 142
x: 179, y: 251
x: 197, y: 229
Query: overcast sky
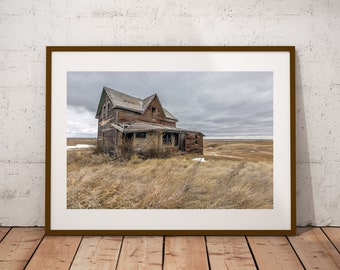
x: 219, y: 104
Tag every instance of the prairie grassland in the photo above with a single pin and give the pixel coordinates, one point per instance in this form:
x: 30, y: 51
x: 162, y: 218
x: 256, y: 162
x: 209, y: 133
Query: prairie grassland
x: 236, y: 175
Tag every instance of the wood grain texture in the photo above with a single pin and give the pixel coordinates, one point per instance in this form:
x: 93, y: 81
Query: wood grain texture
x: 55, y: 252
x: 3, y: 232
x: 315, y: 250
x: 144, y: 252
x: 333, y: 234
x: 18, y: 246
x: 97, y: 253
x: 229, y: 253
x: 185, y: 252
x: 274, y: 253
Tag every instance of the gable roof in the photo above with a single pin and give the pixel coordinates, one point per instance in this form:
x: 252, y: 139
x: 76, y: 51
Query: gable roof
x: 124, y: 101
x: 146, y: 101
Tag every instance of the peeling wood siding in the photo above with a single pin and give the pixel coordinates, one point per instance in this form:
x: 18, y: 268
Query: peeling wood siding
x: 108, y: 144
x: 102, y: 112
x: 158, y: 117
x: 194, y: 143
x: 153, y: 140
x: 182, y: 142
x: 159, y: 114
x: 106, y: 134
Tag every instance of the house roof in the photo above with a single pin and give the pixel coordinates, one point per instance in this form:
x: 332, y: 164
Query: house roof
x: 124, y: 101
x: 139, y: 126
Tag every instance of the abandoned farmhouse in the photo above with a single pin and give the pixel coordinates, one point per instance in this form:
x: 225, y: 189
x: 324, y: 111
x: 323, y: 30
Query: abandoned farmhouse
x: 142, y: 125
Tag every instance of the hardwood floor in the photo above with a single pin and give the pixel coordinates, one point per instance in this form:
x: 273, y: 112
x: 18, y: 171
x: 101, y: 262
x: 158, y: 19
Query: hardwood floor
x: 28, y: 248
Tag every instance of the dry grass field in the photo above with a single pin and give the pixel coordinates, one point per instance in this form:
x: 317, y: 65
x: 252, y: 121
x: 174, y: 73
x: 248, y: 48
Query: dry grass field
x: 236, y: 175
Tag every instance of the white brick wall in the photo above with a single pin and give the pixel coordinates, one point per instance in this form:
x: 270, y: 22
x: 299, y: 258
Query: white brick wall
x: 26, y: 27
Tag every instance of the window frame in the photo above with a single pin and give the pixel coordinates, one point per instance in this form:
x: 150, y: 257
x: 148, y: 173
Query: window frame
x: 138, y: 135
x: 167, y: 138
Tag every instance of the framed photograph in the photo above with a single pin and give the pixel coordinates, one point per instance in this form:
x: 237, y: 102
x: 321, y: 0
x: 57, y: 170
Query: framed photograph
x: 170, y: 141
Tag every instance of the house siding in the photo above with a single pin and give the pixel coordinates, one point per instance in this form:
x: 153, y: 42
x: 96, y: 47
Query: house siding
x: 106, y: 140
x: 151, y: 141
x: 194, y: 142
x: 147, y: 116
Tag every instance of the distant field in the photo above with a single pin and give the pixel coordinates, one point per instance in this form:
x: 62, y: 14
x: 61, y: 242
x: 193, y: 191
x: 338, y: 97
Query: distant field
x: 236, y: 175
x: 75, y: 141
x: 260, y: 150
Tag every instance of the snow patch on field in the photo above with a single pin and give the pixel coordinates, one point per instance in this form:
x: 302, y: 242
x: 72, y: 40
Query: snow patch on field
x: 199, y: 159
x: 80, y: 146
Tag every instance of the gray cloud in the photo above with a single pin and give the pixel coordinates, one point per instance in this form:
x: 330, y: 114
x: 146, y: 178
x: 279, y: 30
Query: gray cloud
x: 216, y: 103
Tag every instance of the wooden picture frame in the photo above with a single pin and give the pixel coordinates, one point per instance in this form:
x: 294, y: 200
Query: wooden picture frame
x: 264, y: 77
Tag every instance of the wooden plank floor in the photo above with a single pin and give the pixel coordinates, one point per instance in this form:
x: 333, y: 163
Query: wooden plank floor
x: 311, y: 248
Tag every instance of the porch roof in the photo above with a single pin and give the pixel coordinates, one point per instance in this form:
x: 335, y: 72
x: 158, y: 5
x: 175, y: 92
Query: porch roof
x: 137, y: 126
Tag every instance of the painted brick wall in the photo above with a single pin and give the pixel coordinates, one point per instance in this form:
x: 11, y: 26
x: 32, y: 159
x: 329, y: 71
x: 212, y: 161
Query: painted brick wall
x: 26, y: 27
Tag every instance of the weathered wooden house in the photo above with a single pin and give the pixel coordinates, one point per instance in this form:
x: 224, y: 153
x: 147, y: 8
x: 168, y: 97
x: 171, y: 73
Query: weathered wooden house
x: 142, y: 125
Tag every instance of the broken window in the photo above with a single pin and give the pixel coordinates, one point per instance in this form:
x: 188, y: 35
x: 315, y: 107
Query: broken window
x: 196, y: 140
x: 154, y: 112
x: 141, y: 135
x: 176, y: 139
x: 128, y: 136
x: 167, y: 138
x: 108, y: 110
x: 104, y: 112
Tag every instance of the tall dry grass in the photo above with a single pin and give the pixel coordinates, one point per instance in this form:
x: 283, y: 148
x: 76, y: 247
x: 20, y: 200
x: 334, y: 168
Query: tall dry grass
x: 97, y: 181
